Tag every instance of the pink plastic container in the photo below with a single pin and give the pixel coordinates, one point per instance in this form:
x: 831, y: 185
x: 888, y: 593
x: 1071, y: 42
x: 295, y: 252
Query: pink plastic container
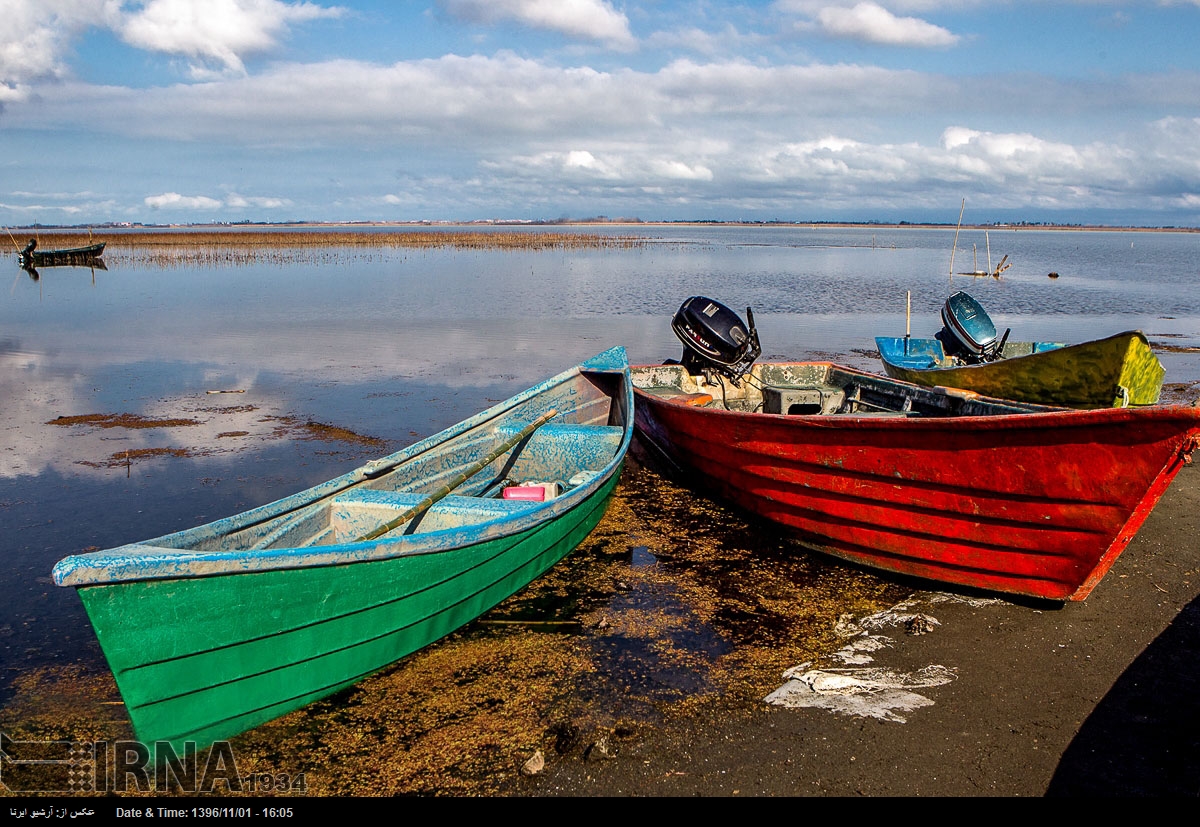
x: 525, y: 492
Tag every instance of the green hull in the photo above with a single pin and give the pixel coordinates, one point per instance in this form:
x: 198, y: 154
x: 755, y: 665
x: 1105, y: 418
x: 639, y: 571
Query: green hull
x: 218, y: 628
x: 259, y: 645
x: 1118, y: 371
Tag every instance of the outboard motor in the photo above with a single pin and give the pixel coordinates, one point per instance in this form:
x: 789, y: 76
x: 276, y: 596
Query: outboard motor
x: 715, y: 338
x: 969, y: 332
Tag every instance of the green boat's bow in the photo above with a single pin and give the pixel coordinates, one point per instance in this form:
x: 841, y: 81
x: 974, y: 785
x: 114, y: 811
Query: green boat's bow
x: 1117, y: 371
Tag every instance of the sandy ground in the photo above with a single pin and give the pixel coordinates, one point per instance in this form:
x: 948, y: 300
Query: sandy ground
x: 1097, y: 698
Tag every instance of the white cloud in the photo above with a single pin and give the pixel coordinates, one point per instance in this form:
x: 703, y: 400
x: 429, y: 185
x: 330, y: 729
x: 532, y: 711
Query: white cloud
x: 488, y: 131
x: 726, y: 40
x: 214, y: 34
x: 581, y: 159
x: 680, y: 170
x: 173, y: 200
x: 217, y: 33
x: 1012, y: 153
x: 38, y: 36
x: 36, y: 205
x: 883, y: 23
x: 513, y: 128
x: 1007, y: 169
x: 873, y: 23
x: 608, y: 172
x: 614, y: 166
x: 235, y: 200
x: 588, y: 19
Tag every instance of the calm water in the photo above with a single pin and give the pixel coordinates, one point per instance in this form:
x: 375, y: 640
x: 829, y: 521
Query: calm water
x: 397, y: 344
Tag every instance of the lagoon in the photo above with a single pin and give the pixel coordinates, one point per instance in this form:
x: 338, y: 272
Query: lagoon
x: 282, y: 372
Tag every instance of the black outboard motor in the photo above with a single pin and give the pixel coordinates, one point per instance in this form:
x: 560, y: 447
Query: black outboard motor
x: 715, y: 338
x: 969, y: 332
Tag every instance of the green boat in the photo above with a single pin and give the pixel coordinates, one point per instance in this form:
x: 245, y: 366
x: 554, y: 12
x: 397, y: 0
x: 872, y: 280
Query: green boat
x: 1117, y: 371
x: 219, y: 628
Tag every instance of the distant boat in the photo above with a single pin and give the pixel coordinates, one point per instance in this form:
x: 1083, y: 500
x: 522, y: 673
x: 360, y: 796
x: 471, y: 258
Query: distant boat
x: 32, y: 257
x: 217, y: 629
x: 937, y: 483
x: 94, y: 264
x: 1116, y: 371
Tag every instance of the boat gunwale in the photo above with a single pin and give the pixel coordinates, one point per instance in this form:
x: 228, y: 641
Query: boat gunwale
x: 143, y: 560
x: 1120, y: 370
x: 1036, y: 417
x: 1030, y: 420
x: 1049, y: 347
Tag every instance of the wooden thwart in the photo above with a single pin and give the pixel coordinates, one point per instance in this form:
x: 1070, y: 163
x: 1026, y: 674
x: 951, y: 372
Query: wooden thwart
x: 425, y: 504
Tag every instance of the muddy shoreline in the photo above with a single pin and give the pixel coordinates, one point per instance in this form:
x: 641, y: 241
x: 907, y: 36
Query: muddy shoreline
x: 1084, y: 699
x: 648, y: 664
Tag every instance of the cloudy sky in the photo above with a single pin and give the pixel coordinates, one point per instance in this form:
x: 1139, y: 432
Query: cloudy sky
x: 193, y: 111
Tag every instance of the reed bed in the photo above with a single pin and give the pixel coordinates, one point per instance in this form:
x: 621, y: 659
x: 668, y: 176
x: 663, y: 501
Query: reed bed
x: 171, y: 247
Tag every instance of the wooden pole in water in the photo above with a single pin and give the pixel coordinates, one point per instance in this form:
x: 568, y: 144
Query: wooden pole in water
x: 907, y: 318
x: 954, y: 246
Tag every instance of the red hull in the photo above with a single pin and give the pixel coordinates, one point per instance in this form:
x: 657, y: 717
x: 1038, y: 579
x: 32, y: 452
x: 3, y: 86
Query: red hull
x: 1036, y: 504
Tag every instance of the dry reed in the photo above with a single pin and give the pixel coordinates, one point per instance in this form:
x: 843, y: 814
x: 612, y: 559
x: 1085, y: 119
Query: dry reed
x: 213, y: 247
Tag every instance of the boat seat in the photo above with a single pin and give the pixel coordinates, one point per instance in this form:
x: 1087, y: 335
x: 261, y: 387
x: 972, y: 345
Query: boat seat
x: 795, y: 400
x: 560, y: 450
x: 671, y: 392
x: 355, y: 513
x: 674, y: 394
x: 567, y: 431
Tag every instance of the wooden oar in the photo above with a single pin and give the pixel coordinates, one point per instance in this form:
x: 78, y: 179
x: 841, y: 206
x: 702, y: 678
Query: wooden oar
x: 473, y: 469
x: 374, y: 470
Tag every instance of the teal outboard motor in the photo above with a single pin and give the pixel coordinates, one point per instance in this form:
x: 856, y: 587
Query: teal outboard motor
x: 969, y: 333
x: 715, y: 338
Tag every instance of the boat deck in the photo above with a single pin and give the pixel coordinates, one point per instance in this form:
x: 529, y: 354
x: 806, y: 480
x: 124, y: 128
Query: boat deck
x: 816, y: 389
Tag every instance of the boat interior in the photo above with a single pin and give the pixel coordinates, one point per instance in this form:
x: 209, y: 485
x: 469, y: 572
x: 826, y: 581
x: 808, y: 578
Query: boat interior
x: 718, y: 370
x: 555, y: 460
x: 815, y: 389
x: 518, y: 461
x: 923, y: 354
x: 549, y: 449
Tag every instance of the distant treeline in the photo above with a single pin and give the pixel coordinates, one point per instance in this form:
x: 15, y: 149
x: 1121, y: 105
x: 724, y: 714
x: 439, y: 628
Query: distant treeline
x: 559, y: 222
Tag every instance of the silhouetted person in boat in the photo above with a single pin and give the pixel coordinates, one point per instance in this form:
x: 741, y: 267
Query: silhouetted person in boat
x: 29, y: 247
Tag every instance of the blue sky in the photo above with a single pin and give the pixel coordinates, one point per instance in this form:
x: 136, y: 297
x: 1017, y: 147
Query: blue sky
x: 196, y: 111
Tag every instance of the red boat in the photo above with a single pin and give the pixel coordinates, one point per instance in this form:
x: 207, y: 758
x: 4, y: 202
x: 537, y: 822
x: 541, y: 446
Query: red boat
x: 935, y: 483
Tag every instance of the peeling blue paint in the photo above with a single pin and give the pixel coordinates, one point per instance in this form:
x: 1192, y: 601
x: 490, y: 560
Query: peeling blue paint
x: 586, y: 441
